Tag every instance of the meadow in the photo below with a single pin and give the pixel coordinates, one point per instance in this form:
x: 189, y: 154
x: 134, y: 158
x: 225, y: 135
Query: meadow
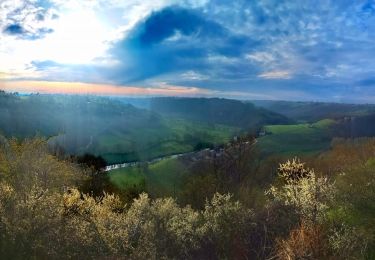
x: 165, y: 176
x: 161, y: 178
x: 173, y: 136
x: 298, y: 139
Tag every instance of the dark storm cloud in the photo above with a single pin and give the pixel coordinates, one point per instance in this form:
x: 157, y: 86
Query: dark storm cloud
x: 18, y: 31
x: 175, y: 39
x: 14, y: 29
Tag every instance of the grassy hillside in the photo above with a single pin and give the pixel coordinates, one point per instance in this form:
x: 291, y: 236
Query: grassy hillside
x: 161, y: 178
x: 297, y: 139
x: 119, y: 132
x: 314, y: 111
x: 217, y: 111
x: 280, y: 140
x: 171, y: 137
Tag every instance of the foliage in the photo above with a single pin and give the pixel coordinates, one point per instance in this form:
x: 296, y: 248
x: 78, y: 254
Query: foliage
x: 31, y: 184
x: 318, y: 234
x: 304, y: 242
x: 308, y: 194
x: 348, y: 242
x: 293, y: 171
x: 44, y: 212
x: 42, y: 219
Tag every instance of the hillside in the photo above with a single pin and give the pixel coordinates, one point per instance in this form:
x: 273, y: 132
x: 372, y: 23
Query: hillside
x: 356, y: 126
x: 118, y: 132
x: 212, y: 110
x: 299, y: 139
x: 314, y: 111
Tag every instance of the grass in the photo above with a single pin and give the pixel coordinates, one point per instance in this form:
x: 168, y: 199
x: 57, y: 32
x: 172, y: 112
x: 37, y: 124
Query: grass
x: 163, y: 178
x: 300, y: 139
x: 126, y: 177
x: 174, y: 136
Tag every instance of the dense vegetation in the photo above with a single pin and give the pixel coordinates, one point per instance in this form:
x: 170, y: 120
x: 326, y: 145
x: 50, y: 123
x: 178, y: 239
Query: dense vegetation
x: 304, y: 214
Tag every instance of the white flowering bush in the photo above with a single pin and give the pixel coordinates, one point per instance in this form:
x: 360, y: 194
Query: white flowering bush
x: 308, y: 194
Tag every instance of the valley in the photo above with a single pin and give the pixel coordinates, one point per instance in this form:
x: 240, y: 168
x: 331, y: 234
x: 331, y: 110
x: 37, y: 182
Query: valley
x: 184, y: 151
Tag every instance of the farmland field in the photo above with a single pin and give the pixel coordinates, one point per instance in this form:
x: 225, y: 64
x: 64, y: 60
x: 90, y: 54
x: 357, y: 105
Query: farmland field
x: 296, y: 139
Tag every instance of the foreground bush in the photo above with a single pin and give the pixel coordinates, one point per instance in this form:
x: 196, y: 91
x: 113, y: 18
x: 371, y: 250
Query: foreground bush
x: 44, y: 214
x: 317, y: 235
x: 40, y: 217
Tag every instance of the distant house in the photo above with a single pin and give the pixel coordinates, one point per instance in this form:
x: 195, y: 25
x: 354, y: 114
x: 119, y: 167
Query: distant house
x: 262, y: 132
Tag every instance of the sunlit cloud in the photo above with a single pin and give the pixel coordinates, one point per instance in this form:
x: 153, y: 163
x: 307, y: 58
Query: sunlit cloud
x: 50, y: 87
x: 276, y: 75
x: 160, y: 89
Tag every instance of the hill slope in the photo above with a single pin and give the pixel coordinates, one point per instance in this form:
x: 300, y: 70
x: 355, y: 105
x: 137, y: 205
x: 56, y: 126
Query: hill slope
x: 217, y: 110
x: 314, y: 111
x: 116, y: 131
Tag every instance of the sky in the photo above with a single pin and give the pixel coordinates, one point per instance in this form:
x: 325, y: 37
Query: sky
x: 315, y: 50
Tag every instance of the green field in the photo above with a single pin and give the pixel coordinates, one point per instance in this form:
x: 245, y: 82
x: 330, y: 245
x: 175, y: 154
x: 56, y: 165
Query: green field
x: 297, y: 139
x: 162, y: 178
x: 173, y: 136
x: 165, y: 177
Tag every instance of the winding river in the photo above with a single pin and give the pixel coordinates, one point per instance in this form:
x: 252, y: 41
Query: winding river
x: 131, y: 164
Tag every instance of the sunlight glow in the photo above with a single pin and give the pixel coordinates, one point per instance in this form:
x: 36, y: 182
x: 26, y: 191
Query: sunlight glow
x: 51, y: 87
x: 161, y: 89
x: 79, y: 38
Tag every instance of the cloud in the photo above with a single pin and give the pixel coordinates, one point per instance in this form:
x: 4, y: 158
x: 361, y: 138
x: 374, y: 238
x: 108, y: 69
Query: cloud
x: 20, y: 32
x: 164, y: 24
x: 275, y: 75
x: 175, y: 39
x: 318, y: 50
x: 239, y: 39
x: 27, y: 20
x: 14, y: 29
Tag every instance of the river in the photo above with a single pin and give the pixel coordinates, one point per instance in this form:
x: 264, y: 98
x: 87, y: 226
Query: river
x: 131, y: 164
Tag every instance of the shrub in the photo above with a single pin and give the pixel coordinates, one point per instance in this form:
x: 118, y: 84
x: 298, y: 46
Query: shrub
x: 308, y: 194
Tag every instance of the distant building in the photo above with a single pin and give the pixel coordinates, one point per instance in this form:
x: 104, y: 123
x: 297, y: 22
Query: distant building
x: 262, y: 132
